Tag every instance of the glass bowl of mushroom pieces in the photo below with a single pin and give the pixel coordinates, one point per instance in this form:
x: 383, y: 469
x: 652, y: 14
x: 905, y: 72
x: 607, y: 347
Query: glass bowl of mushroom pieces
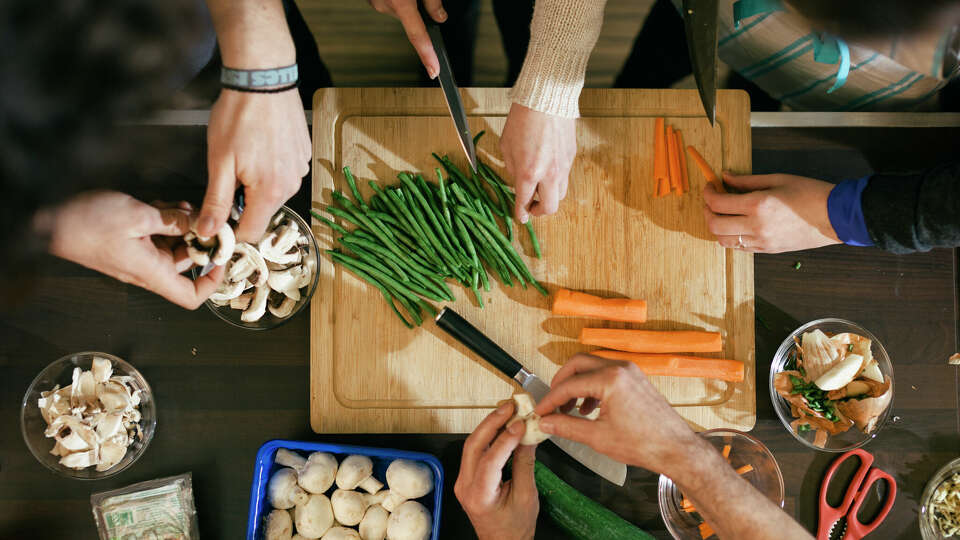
x: 270, y: 282
x: 88, y: 415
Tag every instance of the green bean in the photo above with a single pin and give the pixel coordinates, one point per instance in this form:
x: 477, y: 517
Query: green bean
x: 422, y: 237
x: 383, y: 290
x: 409, y: 290
x: 475, y: 278
x: 329, y: 223
x: 465, y: 240
x: 353, y: 187
x: 418, y: 195
x: 413, y: 308
x: 443, y: 196
x: 511, y: 199
x: 375, y: 261
x: 387, y: 254
x: 437, y: 245
x: 510, y: 252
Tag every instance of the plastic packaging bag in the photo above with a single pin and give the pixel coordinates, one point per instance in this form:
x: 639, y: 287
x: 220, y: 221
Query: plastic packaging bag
x: 160, y: 509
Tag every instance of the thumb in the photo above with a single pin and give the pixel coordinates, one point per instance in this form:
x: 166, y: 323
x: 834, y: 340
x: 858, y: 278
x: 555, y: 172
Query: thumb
x: 524, y: 458
x: 568, y: 427
x: 218, y: 200
x: 751, y: 182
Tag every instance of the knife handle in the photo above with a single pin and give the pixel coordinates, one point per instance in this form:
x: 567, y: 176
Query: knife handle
x: 452, y: 323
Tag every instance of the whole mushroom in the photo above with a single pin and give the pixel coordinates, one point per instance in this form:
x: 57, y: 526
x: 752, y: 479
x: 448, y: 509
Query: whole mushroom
x: 407, y: 480
x: 279, y: 525
x: 290, y: 459
x: 373, y: 526
x: 410, y: 521
x: 348, y: 506
x: 318, y: 472
x: 283, y: 490
x: 357, y: 471
x: 341, y: 533
x: 314, y: 517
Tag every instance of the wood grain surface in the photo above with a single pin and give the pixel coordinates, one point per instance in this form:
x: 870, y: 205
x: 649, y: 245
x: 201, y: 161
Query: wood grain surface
x: 612, y: 237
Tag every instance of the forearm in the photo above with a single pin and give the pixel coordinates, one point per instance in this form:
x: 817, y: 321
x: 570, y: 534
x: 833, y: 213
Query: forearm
x: 732, y: 507
x: 914, y: 212
x: 252, y: 34
x: 562, y: 36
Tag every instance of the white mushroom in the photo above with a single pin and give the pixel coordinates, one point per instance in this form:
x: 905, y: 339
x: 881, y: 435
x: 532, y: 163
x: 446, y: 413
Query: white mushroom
x: 258, y: 306
x: 290, y: 459
x: 407, y: 480
x: 314, y: 517
x: 216, y: 249
x: 248, y: 266
x: 410, y: 521
x: 524, y: 413
x: 102, y: 369
x: 80, y: 460
x: 279, y: 525
x: 290, y: 281
x: 378, y: 497
x: 348, y: 506
x: 283, y: 491
x: 341, y: 533
x: 283, y: 310
x: 227, y: 291
x: 357, y: 471
x: 373, y: 526
x: 241, y: 302
x: 112, y: 451
x: 280, y: 244
x: 318, y: 473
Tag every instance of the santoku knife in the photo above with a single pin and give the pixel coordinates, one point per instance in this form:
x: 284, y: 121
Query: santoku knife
x: 700, y: 22
x: 464, y: 332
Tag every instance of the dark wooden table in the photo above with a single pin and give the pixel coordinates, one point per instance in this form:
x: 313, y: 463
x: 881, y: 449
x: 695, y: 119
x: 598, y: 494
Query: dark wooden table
x: 223, y: 391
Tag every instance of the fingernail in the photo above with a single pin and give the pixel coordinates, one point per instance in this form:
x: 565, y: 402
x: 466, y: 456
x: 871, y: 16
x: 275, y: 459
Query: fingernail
x: 503, y: 408
x: 515, y: 428
x: 442, y: 13
x: 206, y: 226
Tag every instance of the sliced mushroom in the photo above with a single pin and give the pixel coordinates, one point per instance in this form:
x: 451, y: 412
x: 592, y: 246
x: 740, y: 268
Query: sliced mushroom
x: 216, y: 249
x: 250, y: 266
x: 284, y: 308
x: 258, y: 305
x: 102, y: 369
x: 241, y: 302
x: 280, y: 244
x: 227, y: 292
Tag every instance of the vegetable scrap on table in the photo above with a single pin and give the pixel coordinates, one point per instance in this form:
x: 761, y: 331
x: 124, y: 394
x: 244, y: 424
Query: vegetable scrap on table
x: 408, y: 238
x: 832, y: 384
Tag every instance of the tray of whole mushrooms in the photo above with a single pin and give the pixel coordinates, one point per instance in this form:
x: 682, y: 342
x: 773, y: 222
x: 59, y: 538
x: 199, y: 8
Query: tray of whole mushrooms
x: 318, y: 497
x: 263, y: 283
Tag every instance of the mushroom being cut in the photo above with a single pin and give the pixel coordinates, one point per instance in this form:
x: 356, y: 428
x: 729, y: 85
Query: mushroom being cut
x: 318, y: 472
x: 524, y: 413
x: 407, y: 479
x: 410, y: 521
x: 216, y: 249
x: 341, y: 533
x: 283, y: 491
x: 373, y: 526
x: 279, y: 525
x: 348, y: 506
x: 357, y: 471
x: 314, y: 517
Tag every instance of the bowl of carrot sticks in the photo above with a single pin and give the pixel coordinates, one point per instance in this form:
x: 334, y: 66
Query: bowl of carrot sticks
x: 747, y: 456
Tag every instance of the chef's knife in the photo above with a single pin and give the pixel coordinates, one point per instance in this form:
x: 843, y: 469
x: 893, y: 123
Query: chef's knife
x: 450, y: 91
x: 464, y: 332
x: 235, y: 213
x: 700, y: 22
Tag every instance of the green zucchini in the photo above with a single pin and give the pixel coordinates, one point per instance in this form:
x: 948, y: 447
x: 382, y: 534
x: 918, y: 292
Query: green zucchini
x: 580, y: 516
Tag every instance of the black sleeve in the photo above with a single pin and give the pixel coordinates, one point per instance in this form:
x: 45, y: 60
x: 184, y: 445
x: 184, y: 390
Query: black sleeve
x: 906, y: 213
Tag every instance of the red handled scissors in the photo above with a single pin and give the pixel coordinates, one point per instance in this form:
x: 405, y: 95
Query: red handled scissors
x: 857, y: 492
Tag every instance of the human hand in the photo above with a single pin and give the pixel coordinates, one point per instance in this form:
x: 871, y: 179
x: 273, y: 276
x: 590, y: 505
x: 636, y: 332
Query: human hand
x: 538, y: 150
x: 260, y: 140
x: 779, y: 212
x: 635, y: 424
x: 122, y: 237
x: 409, y: 15
x: 498, y: 510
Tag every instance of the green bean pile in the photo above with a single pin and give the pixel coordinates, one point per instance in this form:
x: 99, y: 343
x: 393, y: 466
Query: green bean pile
x: 409, y: 238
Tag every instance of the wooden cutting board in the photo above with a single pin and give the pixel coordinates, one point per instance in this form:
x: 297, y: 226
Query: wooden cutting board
x: 370, y: 374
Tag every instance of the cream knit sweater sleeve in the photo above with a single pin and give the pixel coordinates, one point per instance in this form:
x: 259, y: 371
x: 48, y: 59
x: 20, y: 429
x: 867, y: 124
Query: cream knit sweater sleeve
x: 562, y: 35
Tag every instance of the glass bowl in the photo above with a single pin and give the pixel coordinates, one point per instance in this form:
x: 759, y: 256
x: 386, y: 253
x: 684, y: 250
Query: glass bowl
x: 853, y: 437
x: 269, y: 321
x: 32, y: 424
x: 928, y: 527
x: 744, y: 450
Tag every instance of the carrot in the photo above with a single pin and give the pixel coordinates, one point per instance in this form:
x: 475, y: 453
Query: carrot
x: 663, y: 187
x: 660, y: 166
x: 705, y: 169
x: 674, y: 365
x: 726, y: 452
x: 706, y: 531
x: 652, y: 341
x: 672, y: 163
x: 745, y: 469
x: 578, y: 304
x: 685, y: 180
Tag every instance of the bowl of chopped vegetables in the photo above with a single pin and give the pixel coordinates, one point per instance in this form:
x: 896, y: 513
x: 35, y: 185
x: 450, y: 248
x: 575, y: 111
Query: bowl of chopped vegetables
x: 940, y: 504
x: 831, y: 383
x: 749, y: 457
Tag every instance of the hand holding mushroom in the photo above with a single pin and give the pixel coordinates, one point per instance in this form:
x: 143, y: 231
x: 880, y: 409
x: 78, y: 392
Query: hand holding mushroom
x: 497, y: 509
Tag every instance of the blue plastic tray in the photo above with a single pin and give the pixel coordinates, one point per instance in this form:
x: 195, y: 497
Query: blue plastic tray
x: 381, y: 457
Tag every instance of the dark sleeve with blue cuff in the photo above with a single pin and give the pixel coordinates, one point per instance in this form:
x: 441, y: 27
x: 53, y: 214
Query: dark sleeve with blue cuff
x: 899, y: 213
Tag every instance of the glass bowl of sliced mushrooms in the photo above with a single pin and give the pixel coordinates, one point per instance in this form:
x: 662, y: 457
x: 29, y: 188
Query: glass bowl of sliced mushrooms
x: 940, y: 504
x: 88, y: 415
x: 267, y: 283
x: 831, y: 383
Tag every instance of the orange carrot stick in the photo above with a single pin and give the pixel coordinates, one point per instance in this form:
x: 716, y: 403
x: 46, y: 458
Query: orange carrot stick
x: 672, y: 163
x: 652, y: 341
x: 706, y: 531
x: 685, y: 180
x: 705, y: 169
x: 745, y: 469
x: 578, y: 304
x: 660, y: 166
x: 726, y: 452
x: 674, y: 365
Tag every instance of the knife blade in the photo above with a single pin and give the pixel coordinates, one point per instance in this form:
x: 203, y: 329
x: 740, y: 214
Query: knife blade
x: 450, y: 91
x: 464, y: 332
x: 700, y: 23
